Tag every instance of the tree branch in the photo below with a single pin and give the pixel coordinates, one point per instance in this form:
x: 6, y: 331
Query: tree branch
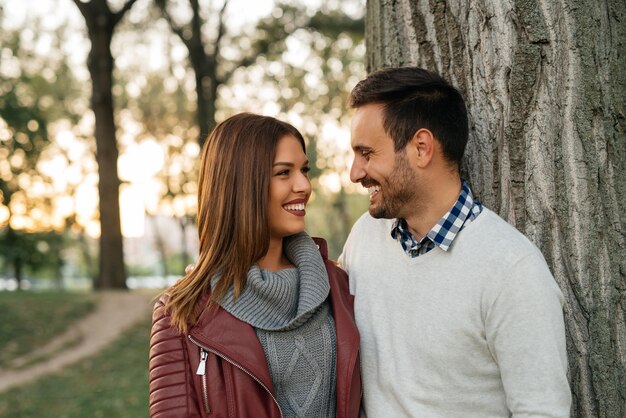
x: 119, y: 15
x: 84, y: 10
x: 196, y: 24
x: 178, y: 30
x: 244, y: 62
x: 221, y: 30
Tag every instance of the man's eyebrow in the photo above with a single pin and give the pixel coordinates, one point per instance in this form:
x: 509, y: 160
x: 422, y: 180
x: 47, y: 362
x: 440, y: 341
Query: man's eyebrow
x: 359, y: 147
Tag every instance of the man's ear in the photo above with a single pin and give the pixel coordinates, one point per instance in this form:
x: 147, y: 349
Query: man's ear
x: 421, y: 147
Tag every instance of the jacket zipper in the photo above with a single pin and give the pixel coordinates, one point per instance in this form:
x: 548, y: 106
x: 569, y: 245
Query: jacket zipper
x: 202, y: 372
x: 234, y: 363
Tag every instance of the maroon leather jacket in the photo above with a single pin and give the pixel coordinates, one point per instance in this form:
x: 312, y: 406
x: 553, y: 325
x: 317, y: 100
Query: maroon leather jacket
x: 218, y: 369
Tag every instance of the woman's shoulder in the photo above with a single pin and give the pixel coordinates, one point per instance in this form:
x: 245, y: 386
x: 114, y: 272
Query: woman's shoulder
x: 160, y: 304
x: 322, y: 246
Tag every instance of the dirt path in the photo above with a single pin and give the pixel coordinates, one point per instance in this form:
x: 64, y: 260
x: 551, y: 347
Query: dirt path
x: 114, y: 314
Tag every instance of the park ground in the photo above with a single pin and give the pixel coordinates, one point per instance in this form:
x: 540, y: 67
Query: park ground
x: 71, y: 355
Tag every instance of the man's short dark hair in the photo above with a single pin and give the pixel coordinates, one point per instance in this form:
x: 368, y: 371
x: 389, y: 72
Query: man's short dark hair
x: 415, y: 98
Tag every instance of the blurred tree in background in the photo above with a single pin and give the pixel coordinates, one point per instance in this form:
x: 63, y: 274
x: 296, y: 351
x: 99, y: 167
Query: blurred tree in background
x: 301, y: 62
x: 101, y: 22
x: 179, y: 66
x: 31, y: 88
x: 202, y: 36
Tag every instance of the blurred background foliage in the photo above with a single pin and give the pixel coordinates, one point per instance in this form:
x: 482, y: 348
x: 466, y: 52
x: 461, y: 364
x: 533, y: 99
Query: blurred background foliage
x: 180, y: 66
x: 172, y: 69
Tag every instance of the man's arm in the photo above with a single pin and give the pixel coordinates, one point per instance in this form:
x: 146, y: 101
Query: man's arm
x: 526, y: 335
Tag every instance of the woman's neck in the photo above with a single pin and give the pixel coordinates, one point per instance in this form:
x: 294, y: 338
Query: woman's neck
x: 274, y: 259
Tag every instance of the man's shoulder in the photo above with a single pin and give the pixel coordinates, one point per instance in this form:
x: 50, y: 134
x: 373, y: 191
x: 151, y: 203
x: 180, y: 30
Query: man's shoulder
x: 496, y: 234
x: 366, y: 237
x: 500, y: 251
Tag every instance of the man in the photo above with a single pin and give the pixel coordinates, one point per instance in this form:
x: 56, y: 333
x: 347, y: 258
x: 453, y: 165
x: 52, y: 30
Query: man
x: 458, y: 313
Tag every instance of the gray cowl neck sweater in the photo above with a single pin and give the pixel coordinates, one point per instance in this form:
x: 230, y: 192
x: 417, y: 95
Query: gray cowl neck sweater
x: 290, y: 312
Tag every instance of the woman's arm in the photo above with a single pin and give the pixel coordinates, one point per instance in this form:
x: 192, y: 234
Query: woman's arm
x: 172, y: 394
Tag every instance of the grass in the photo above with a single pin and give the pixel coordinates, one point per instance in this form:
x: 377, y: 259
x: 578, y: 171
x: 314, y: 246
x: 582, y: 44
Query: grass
x: 112, y: 384
x: 28, y: 320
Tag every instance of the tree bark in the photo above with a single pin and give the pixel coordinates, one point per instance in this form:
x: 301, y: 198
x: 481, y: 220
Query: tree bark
x: 546, y: 92
x: 101, y: 22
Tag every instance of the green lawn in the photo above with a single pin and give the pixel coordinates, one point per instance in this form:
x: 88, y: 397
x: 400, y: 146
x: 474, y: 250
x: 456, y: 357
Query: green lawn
x: 112, y: 384
x: 28, y: 320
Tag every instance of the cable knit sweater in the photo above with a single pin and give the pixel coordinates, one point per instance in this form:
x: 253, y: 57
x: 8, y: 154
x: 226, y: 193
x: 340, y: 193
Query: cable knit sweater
x: 293, y: 321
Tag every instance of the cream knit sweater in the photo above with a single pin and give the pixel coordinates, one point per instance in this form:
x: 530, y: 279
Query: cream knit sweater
x: 473, y: 332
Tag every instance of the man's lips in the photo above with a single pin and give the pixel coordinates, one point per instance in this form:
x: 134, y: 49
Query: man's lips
x: 372, y: 188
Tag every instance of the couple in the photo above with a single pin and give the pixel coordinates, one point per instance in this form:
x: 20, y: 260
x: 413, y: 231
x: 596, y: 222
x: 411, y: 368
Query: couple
x: 457, y: 312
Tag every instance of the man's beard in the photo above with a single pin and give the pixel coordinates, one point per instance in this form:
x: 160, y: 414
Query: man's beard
x: 398, y: 190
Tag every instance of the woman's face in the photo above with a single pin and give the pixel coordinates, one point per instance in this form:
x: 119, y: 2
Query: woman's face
x: 290, y: 188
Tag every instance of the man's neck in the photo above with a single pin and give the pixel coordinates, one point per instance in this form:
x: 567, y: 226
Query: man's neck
x: 434, y: 204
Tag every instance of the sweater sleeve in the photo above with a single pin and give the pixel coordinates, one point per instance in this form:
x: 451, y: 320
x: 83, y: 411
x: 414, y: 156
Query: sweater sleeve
x: 342, y: 261
x: 347, y: 255
x: 171, y: 390
x: 526, y: 335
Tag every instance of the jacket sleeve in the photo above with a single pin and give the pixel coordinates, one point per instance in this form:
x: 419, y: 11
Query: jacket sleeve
x: 172, y: 393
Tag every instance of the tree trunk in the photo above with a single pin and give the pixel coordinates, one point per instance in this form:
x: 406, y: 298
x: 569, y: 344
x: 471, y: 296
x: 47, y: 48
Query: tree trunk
x: 160, y: 244
x: 112, y: 273
x: 17, y: 271
x: 13, y: 256
x: 101, y: 23
x: 204, y: 63
x: 206, y: 91
x: 86, y: 256
x: 546, y: 92
x: 184, y: 251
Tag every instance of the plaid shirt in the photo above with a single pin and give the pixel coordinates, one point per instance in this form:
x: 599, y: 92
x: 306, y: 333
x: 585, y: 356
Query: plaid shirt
x: 465, y: 210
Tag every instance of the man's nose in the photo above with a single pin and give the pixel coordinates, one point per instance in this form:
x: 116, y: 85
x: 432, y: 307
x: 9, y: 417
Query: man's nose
x: 357, y: 171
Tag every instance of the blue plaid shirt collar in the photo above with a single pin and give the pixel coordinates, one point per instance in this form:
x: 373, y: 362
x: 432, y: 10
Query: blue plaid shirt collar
x: 465, y: 210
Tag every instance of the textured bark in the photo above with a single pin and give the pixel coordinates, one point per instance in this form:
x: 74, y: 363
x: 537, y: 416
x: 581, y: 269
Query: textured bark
x: 101, y: 22
x: 546, y: 92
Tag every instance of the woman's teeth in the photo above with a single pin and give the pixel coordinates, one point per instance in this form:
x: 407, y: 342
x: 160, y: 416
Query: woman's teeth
x: 298, y: 206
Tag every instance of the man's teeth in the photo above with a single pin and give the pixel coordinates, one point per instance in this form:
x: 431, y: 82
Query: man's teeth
x: 373, y: 189
x: 298, y: 206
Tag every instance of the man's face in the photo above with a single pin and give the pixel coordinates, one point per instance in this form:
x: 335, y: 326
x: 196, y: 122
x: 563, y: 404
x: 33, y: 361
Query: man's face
x: 387, y: 175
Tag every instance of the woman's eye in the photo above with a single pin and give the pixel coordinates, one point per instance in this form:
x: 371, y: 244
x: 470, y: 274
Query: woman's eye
x: 282, y: 173
x: 305, y: 170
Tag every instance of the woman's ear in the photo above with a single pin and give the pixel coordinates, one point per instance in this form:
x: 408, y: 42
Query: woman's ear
x: 421, y: 148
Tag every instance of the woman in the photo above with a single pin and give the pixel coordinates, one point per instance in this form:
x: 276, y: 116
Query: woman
x: 263, y: 325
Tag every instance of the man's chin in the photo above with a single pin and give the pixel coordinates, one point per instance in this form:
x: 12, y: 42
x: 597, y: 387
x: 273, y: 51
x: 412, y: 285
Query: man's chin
x: 379, y: 212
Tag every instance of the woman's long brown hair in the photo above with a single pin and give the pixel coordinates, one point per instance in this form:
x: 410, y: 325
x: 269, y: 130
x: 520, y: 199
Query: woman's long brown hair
x: 233, y: 194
